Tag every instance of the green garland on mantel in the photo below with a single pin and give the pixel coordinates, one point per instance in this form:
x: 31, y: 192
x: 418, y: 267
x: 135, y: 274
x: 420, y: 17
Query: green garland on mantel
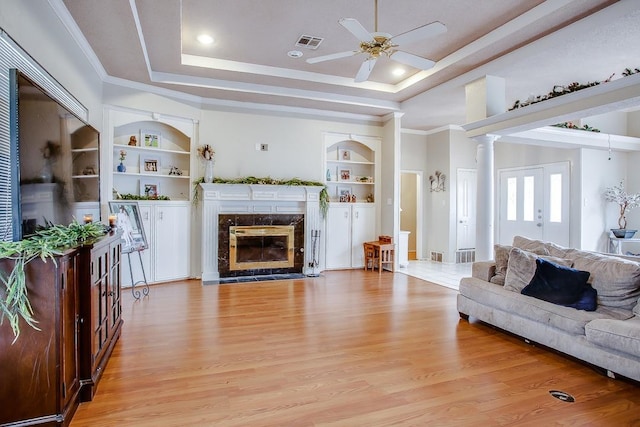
x: 252, y: 180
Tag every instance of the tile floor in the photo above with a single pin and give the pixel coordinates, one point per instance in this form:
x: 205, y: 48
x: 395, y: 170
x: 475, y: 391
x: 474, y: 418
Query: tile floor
x: 448, y: 275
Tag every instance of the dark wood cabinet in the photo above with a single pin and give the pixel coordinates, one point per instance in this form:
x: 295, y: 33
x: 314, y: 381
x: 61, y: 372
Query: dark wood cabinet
x: 39, y: 371
x: 46, y: 373
x: 101, y: 309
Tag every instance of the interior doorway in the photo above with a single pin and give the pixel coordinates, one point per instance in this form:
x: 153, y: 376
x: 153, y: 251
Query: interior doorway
x: 411, y: 210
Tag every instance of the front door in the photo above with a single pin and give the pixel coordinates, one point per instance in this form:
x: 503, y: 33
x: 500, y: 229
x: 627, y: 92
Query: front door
x: 534, y: 203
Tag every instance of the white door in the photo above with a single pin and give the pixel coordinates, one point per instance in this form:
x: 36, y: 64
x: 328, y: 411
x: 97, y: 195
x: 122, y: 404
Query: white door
x: 171, y: 242
x: 466, y: 209
x: 534, y: 203
x: 520, y: 207
x: 362, y: 230
x: 338, y: 237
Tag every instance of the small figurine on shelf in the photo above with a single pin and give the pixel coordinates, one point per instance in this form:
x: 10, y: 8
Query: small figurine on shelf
x: 133, y: 141
x: 121, y: 166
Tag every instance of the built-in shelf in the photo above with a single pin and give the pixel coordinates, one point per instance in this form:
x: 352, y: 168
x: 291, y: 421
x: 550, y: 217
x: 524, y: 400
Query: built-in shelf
x: 161, y: 147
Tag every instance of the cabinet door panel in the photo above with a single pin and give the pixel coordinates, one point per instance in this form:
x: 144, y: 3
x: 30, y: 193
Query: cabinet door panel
x: 363, y: 228
x: 172, y: 242
x: 338, y: 241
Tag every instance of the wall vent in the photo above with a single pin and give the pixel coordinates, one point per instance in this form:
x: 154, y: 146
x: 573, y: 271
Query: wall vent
x: 436, y: 256
x: 309, y: 42
x: 465, y: 255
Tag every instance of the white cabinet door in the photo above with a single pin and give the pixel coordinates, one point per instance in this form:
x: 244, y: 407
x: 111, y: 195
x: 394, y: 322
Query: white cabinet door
x: 348, y: 227
x: 338, y: 237
x: 363, y: 229
x: 166, y: 226
x: 172, y: 245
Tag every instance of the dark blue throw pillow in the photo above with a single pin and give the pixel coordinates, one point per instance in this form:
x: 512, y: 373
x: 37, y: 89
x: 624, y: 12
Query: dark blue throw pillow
x: 558, y: 284
x: 588, y: 301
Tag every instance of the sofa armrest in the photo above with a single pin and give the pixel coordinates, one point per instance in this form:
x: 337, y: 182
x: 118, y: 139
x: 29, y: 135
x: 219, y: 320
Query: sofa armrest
x: 483, y: 270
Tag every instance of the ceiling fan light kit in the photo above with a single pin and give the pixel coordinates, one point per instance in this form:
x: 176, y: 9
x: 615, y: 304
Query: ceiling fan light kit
x: 378, y: 44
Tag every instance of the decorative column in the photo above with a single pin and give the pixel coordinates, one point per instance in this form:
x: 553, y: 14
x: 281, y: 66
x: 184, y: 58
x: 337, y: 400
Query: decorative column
x: 485, y: 198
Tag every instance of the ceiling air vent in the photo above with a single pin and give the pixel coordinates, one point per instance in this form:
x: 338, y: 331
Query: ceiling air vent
x: 310, y: 42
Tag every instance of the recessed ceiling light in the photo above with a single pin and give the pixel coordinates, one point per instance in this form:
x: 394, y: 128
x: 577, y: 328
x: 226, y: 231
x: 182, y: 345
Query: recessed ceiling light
x: 205, y: 39
x: 294, y: 54
x: 399, y: 71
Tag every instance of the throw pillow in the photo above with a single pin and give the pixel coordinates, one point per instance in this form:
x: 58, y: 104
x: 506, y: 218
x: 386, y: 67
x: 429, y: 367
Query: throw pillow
x: 617, y: 280
x: 522, y: 266
x: 588, y: 301
x: 501, y: 257
x: 557, y: 284
x: 540, y: 247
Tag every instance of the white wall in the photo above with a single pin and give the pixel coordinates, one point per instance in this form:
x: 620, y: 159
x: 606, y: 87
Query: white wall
x: 439, y: 206
x: 633, y: 124
x: 37, y: 29
x: 597, y: 215
x: 614, y: 123
x: 413, y: 157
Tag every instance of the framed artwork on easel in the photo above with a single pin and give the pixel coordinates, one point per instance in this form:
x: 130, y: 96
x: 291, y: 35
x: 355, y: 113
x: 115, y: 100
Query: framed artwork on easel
x: 129, y: 221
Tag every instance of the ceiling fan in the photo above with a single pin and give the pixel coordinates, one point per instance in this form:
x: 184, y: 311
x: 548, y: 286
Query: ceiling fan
x: 377, y: 44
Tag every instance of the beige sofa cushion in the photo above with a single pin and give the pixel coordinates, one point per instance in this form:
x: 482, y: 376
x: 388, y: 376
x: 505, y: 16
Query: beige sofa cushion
x: 617, y: 280
x: 522, y: 266
x: 614, y: 334
x: 539, y: 247
x: 501, y: 257
x: 565, y: 318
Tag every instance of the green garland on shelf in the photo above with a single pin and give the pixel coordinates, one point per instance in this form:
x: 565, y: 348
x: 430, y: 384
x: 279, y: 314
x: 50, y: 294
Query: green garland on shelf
x: 569, y: 125
x: 559, y: 90
x: 324, y: 195
x: 129, y: 196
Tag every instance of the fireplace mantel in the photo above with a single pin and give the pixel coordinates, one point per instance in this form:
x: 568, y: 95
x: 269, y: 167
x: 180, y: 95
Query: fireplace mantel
x: 219, y: 199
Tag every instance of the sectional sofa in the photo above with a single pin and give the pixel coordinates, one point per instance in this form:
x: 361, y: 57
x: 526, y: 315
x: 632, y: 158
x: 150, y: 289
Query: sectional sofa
x: 583, y: 304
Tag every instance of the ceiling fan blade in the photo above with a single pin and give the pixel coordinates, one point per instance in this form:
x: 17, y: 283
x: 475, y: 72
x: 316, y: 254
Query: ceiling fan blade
x: 332, y: 56
x: 412, y: 60
x: 420, y: 33
x: 356, y: 28
x: 365, y: 70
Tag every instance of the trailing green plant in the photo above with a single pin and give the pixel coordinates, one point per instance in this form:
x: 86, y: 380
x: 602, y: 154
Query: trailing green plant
x: 324, y: 195
x: 44, y: 244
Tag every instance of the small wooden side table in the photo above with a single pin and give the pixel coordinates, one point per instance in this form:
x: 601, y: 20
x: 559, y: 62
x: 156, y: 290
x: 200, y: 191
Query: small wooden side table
x: 378, y: 254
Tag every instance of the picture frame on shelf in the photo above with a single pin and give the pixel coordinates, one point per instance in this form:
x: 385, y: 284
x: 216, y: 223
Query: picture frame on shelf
x: 344, y: 154
x: 344, y: 174
x: 150, y: 138
x: 128, y: 220
x: 149, y: 164
x: 344, y: 193
x: 149, y: 188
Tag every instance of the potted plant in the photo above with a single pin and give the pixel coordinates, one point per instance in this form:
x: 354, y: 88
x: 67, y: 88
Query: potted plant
x: 626, y: 202
x: 45, y: 244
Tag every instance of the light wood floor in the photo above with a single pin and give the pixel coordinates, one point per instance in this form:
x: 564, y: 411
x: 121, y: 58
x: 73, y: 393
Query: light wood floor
x: 346, y: 349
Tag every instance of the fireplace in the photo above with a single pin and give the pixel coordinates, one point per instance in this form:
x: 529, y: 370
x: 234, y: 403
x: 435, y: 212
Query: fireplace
x: 261, y: 246
x: 248, y: 205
